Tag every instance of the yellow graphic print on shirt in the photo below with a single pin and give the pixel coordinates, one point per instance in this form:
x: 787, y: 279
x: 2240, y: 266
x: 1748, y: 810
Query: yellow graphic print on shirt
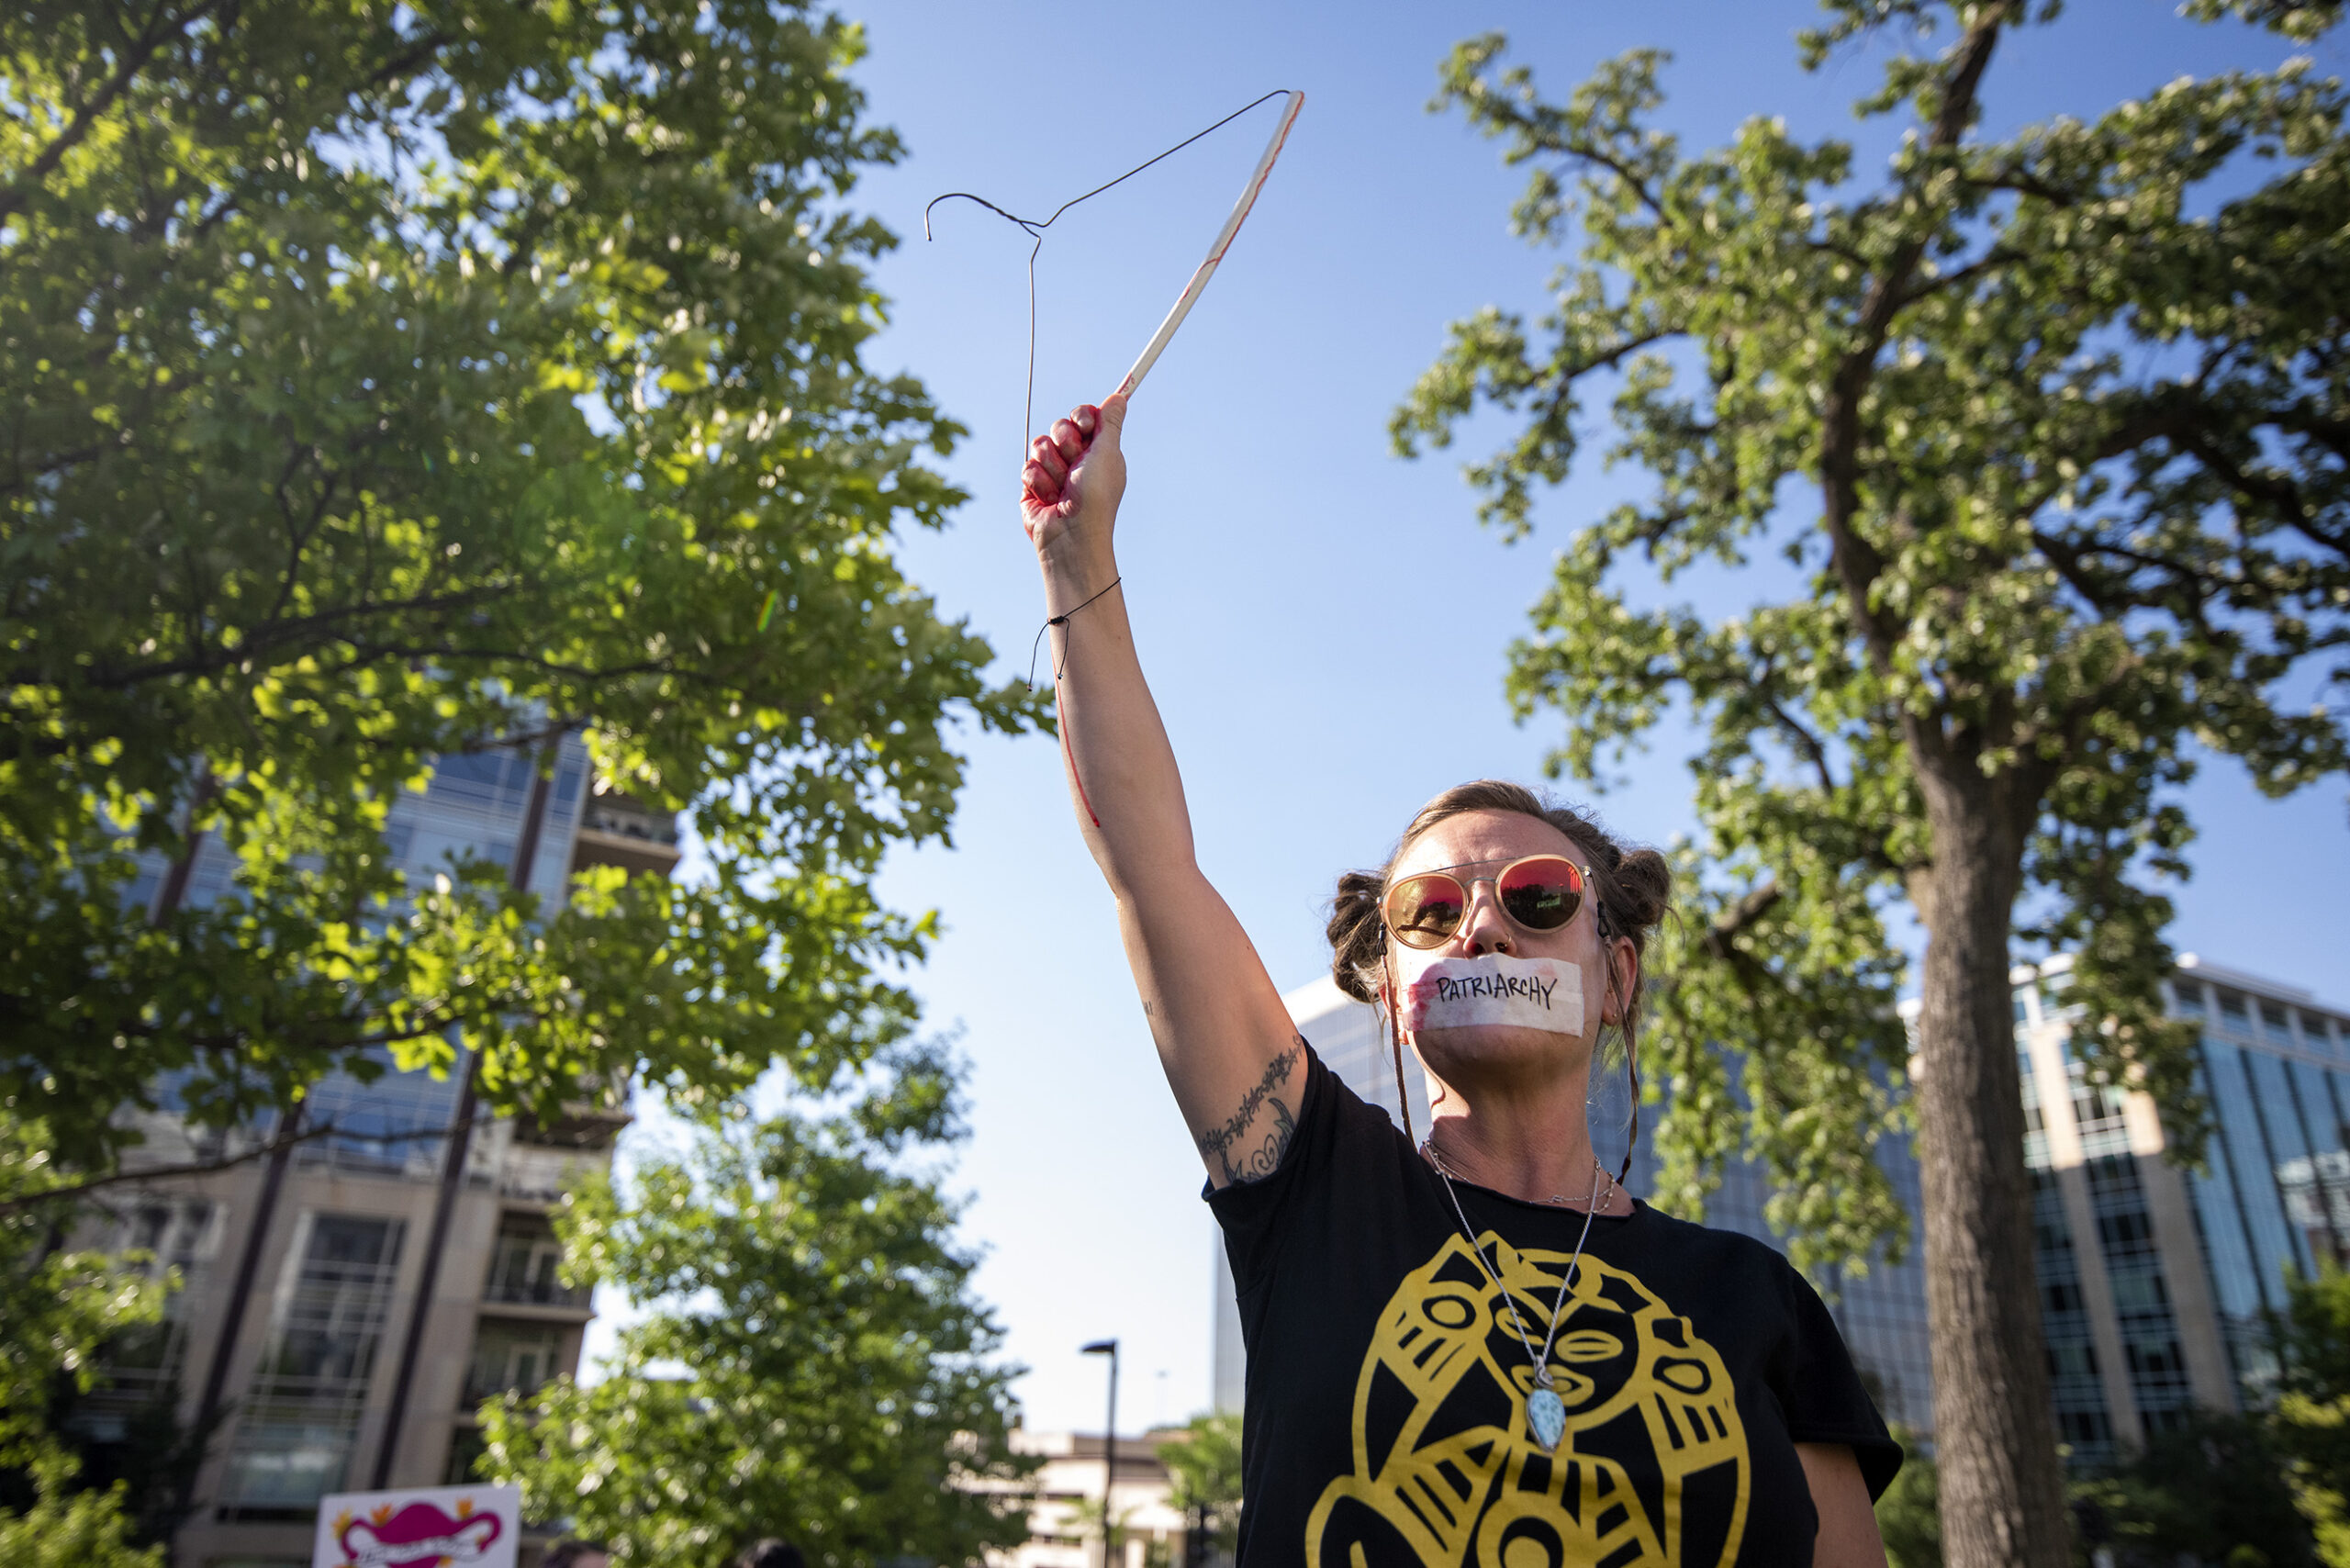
x: 1446, y: 1469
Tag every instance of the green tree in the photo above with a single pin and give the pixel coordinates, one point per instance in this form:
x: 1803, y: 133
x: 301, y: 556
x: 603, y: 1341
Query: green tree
x: 70, y: 1529
x: 1909, y: 1516
x: 837, y: 1381
x: 2213, y: 1489
x: 2311, y: 1419
x: 388, y: 379
x: 1082, y: 1519
x: 1204, y: 1466
x: 2051, y: 430
x: 57, y: 1310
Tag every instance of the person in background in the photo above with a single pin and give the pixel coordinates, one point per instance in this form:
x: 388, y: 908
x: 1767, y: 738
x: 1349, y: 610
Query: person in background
x: 771, y: 1553
x: 571, y: 1554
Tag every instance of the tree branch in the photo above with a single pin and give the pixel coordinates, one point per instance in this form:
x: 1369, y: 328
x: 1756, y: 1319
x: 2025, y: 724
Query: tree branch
x: 1720, y: 940
x: 1638, y: 186
x: 323, y: 625
x: 133, y: 59
x: 2023, y: 183
x: 1858, y: 563
x: 211, y: 1167
x: 1809, y: 744
x: 2273, y: 489
x: 1608, y: 359
x: 1990, y: 261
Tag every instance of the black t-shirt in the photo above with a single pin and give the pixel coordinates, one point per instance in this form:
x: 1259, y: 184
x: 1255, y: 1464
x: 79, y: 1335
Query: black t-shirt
x: 1386, y: 1414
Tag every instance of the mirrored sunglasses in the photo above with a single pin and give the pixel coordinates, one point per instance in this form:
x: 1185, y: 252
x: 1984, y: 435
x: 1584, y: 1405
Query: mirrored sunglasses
x: 1540, y: 892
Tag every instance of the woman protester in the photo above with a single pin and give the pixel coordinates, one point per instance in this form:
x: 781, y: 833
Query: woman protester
x: 1477, y: 1348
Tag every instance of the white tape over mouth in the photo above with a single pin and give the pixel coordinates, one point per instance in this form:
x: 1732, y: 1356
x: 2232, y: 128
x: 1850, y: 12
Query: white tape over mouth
x: 1531, y: 993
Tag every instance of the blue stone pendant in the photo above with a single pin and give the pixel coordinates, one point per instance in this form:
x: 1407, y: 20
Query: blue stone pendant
x: 1547, y: 1414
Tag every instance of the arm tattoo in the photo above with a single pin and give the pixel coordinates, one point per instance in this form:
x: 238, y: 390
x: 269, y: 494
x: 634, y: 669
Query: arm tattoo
x: 1225, y: 1139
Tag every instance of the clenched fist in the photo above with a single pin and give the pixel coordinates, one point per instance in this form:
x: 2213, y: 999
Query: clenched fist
x: 1072, y: 483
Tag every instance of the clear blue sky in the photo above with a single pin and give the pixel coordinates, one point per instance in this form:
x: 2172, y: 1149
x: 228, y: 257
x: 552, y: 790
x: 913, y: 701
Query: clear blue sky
x: 1268, y: 533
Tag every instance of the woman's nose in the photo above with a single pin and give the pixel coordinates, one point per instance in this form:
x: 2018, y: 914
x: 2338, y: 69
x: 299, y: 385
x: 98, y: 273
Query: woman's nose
x: 1486, y: 929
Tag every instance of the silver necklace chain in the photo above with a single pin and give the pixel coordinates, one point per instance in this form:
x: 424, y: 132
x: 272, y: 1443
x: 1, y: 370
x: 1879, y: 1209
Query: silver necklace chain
x: 1605, y: 1197
x: 1566, y: 1286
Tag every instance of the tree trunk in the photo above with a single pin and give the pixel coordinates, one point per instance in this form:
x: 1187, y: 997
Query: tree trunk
x: 2002, y: 1487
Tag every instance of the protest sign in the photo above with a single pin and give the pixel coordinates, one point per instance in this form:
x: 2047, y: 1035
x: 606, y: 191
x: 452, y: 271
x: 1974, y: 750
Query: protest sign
x: 420, y: 1526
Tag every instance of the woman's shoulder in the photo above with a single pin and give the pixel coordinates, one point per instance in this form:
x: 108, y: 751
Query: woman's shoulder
x: 1714, y: 1249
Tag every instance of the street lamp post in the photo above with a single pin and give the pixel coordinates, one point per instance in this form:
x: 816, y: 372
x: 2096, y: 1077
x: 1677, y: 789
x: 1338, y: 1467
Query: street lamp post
x: 1109, y: 1439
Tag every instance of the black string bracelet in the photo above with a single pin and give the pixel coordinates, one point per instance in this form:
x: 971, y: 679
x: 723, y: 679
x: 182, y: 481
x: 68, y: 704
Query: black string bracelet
x: 1060, y: 620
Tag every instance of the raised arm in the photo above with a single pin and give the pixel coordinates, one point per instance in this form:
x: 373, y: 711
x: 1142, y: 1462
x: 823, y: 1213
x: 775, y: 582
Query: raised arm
x: 1227, y: 1043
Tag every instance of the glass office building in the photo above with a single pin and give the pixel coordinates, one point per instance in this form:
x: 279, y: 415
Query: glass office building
x: 2158, y: 1286
x: 2276, y: 1193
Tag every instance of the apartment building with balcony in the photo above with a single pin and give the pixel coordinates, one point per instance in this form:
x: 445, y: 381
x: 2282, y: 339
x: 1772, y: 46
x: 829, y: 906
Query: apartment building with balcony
x: 349, y: 1302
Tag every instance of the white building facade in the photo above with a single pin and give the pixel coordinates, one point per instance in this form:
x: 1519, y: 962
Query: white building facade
x: 1064, y: 1521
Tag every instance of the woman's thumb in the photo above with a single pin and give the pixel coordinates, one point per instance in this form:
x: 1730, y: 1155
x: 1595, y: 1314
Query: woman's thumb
x: 1114, y: 417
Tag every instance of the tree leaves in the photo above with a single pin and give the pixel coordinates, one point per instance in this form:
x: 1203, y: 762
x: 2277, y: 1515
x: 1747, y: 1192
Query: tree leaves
x: 59, y: 1308
x: 1203, y: 1473
x: 389, y: 381
x: 2074, y: 404
x: 839, y: 1379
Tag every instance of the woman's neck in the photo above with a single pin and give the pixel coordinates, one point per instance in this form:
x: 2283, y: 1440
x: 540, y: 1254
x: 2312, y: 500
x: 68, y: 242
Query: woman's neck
x: 1539, y: 1150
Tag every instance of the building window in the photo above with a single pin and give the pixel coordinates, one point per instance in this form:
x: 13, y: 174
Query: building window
x: 300, y: 1416
x: 2187, y: 997
x: 175, y: 1236
x: 2053, y: 988
x: 2076, y: 1359
x: 2097, y: 1111
x: 2156, y: 1366
x: 2035, y: 1120
x: 511, y: 1358
x: 2089, y: 1432
x: 2277, y: 1118
x: 160, y: 1236
x: 2234, y: 1014
x: 2074, y: 1386
x: 391, y: 1125
x: 2243, y: 1143
x: 566, y: 788
x: 2276, y: 1025
x: 525, y: 1269
x: 494, y: 783
x: 466, y: 1446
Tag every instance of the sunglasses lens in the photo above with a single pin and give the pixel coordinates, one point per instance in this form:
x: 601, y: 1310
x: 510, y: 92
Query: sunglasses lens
x: 1424, y: 910
x: 1541, y: 895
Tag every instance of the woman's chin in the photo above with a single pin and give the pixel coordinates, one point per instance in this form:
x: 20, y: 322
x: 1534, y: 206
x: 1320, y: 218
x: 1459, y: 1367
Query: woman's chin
x: 1469, y: 1051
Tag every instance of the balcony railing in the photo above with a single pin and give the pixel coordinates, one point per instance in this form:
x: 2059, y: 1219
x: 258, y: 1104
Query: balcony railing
x: 616, y: 831
x: 630, y: 822
x: 539, y: 1174
x: 546, y: 1292
x: 523, y: 1271
x: 480, y: 1386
